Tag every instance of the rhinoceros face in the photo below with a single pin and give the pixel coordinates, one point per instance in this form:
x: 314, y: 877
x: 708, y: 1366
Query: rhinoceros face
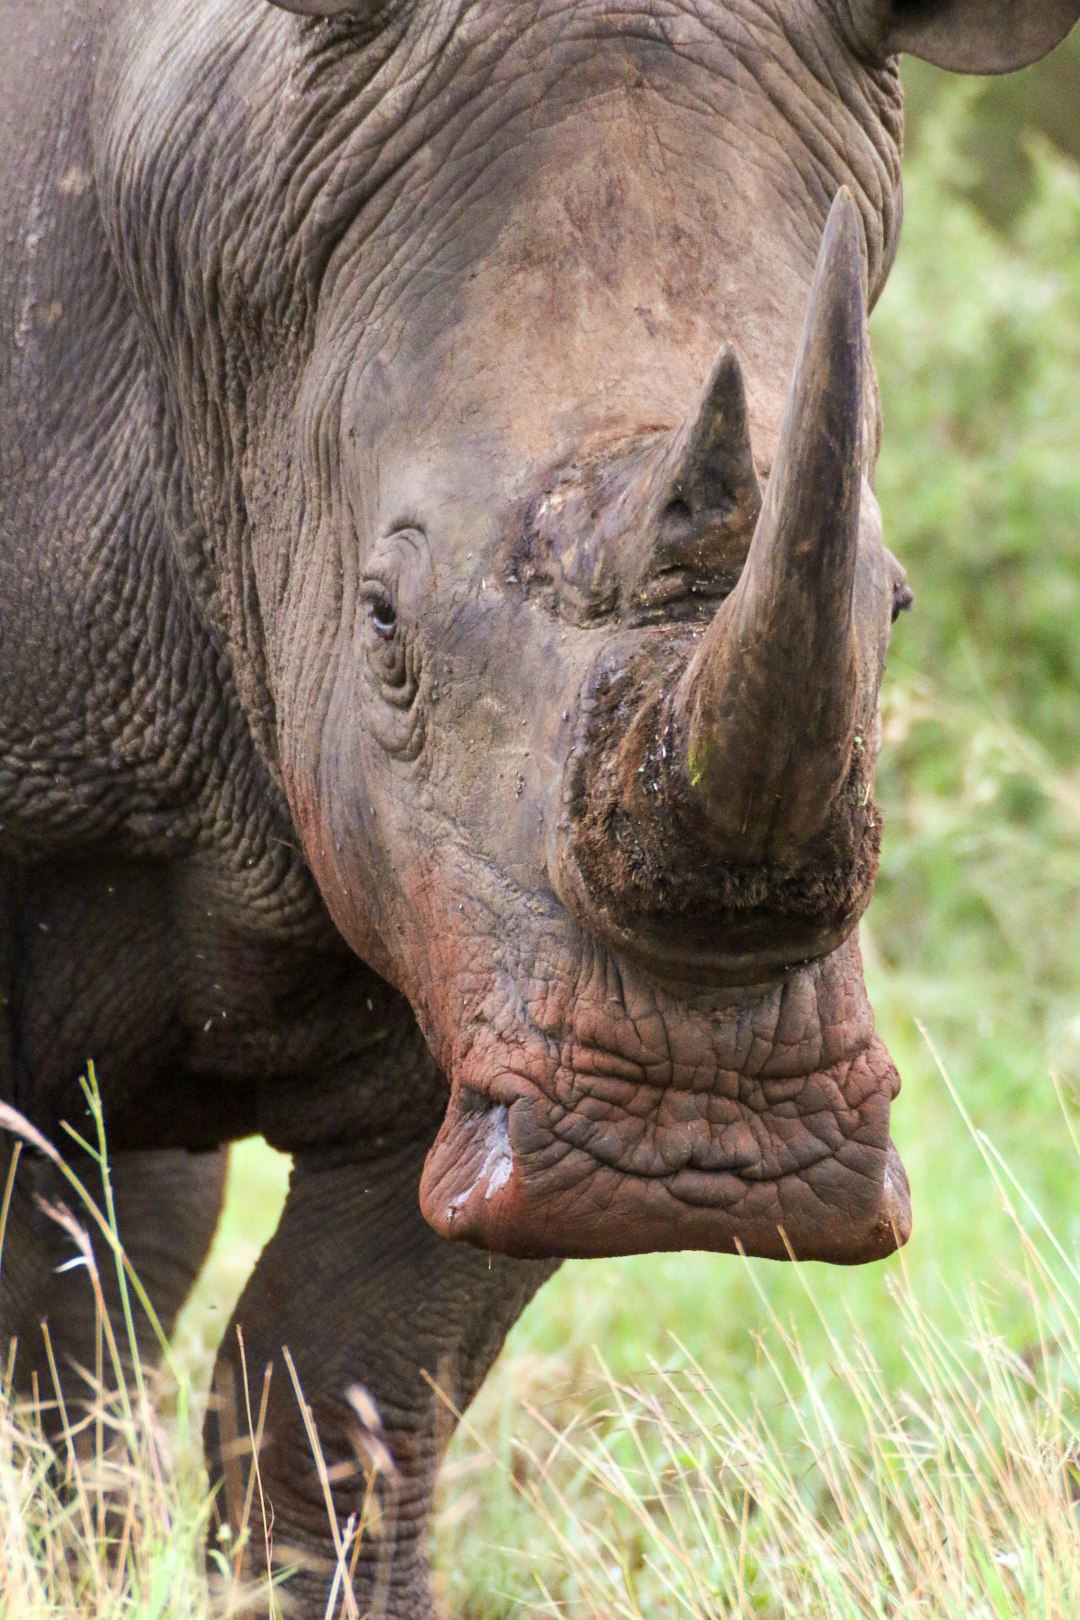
x: 578, y: 681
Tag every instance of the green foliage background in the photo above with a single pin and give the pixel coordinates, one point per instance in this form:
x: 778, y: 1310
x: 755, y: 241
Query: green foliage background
x: 975, y: 930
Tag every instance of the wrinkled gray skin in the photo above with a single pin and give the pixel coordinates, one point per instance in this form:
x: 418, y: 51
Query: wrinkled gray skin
x: 302, y: 707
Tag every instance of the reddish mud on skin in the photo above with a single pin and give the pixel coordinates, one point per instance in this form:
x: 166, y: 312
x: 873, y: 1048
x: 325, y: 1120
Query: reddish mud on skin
x: 594, y: 1111
x: 612, y: 1117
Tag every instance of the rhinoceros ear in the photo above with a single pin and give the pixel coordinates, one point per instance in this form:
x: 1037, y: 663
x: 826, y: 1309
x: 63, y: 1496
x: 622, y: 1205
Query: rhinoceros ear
x: 967, y: 36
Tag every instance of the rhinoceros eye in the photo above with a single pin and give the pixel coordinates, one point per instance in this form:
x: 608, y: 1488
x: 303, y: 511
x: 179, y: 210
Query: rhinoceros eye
x: 389, y: 635
x: 384, y: 617
x: 390, y: 659
x: 903, y: 599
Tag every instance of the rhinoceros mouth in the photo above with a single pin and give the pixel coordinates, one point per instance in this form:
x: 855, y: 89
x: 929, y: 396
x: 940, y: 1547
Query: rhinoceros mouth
x: 629, y: 1121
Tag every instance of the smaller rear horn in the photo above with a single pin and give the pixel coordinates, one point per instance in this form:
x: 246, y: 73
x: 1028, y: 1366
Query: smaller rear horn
x: 708, y: 471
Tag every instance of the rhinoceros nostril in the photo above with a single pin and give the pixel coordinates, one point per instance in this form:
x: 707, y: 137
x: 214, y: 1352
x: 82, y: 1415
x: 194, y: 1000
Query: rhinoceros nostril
x: 677, y: 514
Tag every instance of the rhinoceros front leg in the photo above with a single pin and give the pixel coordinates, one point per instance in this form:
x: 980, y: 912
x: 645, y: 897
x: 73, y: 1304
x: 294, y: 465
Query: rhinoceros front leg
x: 363, y: 1294
x: 167, y: 1206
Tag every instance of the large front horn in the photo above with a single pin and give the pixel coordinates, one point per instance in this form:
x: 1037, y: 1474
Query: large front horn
x: 765, y: 713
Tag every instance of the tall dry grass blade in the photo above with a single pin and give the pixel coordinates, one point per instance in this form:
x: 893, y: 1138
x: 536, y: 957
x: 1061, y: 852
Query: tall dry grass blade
x: 71, y: 1476
x: 380, y: 1469
x: 352, y: 1611
x: 8, y: 1194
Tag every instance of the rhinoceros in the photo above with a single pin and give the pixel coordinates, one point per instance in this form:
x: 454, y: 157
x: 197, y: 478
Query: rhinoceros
x: 443, y: 609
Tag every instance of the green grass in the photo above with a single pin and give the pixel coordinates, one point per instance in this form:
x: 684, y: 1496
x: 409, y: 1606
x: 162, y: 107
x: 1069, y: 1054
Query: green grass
x: 770, y: 1440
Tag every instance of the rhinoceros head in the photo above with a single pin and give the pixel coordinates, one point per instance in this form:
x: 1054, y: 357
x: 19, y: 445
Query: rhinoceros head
x: 577, y: 670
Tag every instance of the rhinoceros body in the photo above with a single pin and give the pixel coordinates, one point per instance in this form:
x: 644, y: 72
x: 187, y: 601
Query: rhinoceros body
x: 442, y: 612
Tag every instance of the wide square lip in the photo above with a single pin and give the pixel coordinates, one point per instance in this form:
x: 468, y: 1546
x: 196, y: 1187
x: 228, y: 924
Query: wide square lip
x: 491, y: 1206
x: 554, y: 1144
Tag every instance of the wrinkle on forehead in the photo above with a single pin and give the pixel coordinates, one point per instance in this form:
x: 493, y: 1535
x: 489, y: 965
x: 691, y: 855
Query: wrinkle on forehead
x: 459, y: 75
x: 583, y: 228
